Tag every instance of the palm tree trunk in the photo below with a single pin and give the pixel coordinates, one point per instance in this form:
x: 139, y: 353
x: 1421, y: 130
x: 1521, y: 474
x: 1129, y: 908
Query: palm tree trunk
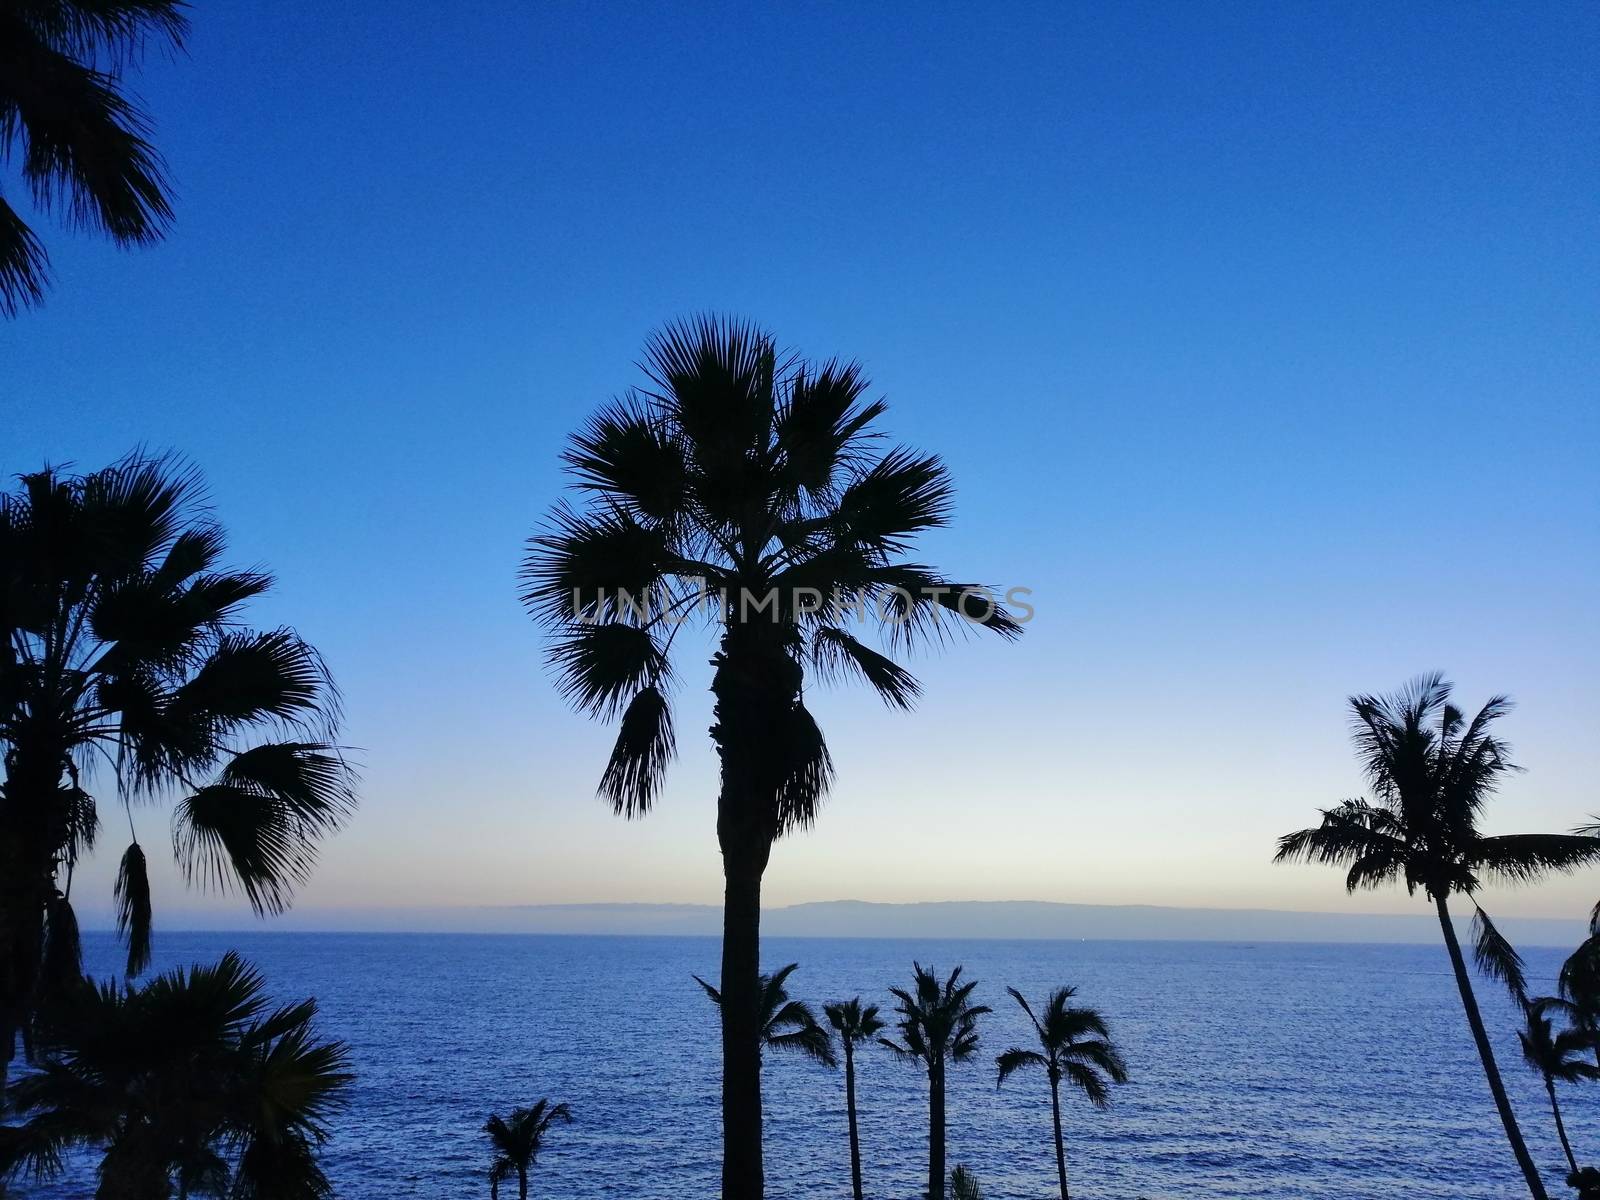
x: 1061, y: 1150
x: 522, y: 1183
x: 742, y: 1176
x: 850, y: 1109
x: 1497, y: 1088
x: 754, y: 683
x: 1561, y: 1127
x: 936, y: 1131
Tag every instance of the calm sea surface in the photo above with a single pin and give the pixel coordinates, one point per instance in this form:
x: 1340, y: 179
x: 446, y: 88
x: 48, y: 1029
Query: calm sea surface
x: 1258, y: 1069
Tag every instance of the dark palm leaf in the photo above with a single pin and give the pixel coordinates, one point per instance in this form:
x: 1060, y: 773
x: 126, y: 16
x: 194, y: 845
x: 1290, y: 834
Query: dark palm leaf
x: 645, y: 746
x: 1496, y: 957
x: 835, y: 653
x: 132, y: 893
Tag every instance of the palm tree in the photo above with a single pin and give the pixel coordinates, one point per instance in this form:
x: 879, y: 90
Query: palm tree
x: 189, y: 1085
x: 1432, y: 770
x: 123, y: 661
x: 854, y: 1023
x: 1579, y: 982
x: 517, y: 1141
x: 938, y: 1026
x: 785, y: 1023
x: 1075, y: 1045
x: 1556, y: 1056
x: 78, y: 138
x: 750, y: 491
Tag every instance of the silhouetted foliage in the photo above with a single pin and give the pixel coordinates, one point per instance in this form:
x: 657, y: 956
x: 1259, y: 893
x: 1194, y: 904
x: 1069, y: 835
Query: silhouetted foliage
x: 855, y: 1023
x: 786, y: 1024
x: 1075, y: 1046
x: 190, y: 1085
x: 938, y: 1026
x: 78, y: 138
x: 1558, y: 1056
x: 517, y: 1140
x: 1432, y: 770
x: 750, y: 490
x: 964, y: 1185
x: 124, y: 663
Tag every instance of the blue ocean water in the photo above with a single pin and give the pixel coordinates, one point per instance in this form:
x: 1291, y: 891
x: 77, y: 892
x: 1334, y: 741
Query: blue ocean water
x: 1258, y: 1069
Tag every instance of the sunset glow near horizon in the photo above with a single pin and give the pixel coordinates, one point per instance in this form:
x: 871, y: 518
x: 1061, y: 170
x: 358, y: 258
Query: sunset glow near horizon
x: 1319, y: 417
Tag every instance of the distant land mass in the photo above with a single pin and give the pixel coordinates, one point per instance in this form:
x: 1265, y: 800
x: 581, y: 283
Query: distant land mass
x: 1020, y: 919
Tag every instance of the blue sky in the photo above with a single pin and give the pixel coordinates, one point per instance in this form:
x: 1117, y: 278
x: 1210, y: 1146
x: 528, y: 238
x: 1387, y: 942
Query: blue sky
x: 1261, y: 341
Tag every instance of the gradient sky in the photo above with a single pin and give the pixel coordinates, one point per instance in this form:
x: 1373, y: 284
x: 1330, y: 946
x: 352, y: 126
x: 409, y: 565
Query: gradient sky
x: 1261, y: 340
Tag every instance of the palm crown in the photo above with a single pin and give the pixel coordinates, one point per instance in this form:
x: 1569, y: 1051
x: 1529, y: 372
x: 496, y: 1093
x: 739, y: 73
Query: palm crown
x: 786, y: 1024
x: 83, y: 149
x: 1432, y: 770
x: 1074, y: 1044
x: 938, y: 1021
x: 191, y: 1078
x: 124, y: 658
x: 853, y: 1021
x: 750, y: 490
x: 517, y: 1140
x: 1562, y: 1056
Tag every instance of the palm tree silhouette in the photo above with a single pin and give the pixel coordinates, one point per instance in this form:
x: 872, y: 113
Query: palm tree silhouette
x: 1579, y: 988
x: 188, y: 1083
x: 1578, y: 984
x: 123, y: 655
x: 749, y: 490
x: 517, y: 1140
x: 1556, y: 1056
x: 1432, y: 771
x: 938, y: 1026
x: 1075, y: 1045
x: 854, y: 1023
x: 785, y: 1023
x: 79, y: 138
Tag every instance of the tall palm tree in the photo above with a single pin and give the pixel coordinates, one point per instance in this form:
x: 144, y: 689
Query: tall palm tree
x: 1432, y: 770
x: 785, y: 1023
x: 855, y: 1023
x: 517, y: 1140
x: 751, y: 491
x: 1562, y: 1056
x: 77, y: 136
x: 124, y: 665
x: 1075, y: 1045
x: 189, y: 1085
x: 938, y: 1026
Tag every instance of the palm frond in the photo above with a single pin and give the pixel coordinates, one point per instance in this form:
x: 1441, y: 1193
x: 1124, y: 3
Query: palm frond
x: 1011, y: 1061
x: 1496, y: 957
x: 255, y: 676
x: 1526, y: 857
x: 644, y: 748
x: 595, y: 566
x: 808, y: 771
x: 259, y: 824
x: 24, y: 265
x: 964, y: 1184
x: 86, y: 153
x: 1089, y: 1081
x: 628, y: 454
x: 600, y: 665
x: 835, y: 653
x: 132, y: 894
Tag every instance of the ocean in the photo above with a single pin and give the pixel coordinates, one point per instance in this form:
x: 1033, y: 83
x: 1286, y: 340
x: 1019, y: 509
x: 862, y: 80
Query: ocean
x: 1258, y: 1069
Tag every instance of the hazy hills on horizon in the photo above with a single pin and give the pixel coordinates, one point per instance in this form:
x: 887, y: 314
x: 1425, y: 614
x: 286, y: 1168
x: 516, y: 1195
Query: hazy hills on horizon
x: 948, y: 919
